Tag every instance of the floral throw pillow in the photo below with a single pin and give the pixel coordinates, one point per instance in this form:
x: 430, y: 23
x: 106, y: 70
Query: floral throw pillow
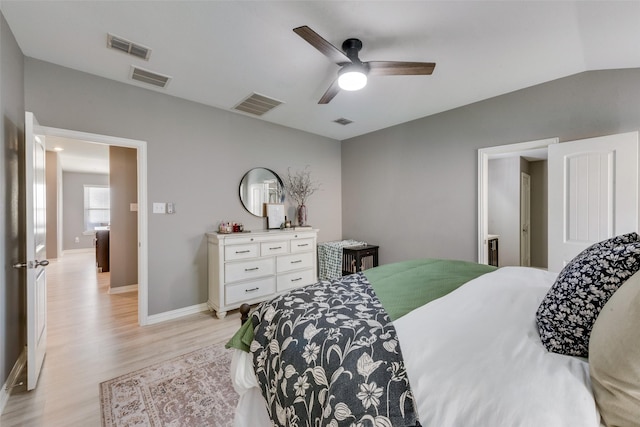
x: 570, y: 308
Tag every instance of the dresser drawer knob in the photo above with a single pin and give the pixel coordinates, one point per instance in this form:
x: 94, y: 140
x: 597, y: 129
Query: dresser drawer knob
x: 251, y: 290
x: 303, y: 245
x: 275, y: 248
x: 243, y: 252
x: 296, y: 261
x: 296, y: 280
x: 251, y: 269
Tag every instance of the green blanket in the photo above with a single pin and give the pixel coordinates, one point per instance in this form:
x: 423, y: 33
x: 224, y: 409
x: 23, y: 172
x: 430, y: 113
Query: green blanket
x: 401, y: 287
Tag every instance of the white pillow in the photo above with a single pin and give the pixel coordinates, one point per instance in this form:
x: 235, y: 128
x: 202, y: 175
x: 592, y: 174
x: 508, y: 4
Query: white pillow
x: 614, y: 357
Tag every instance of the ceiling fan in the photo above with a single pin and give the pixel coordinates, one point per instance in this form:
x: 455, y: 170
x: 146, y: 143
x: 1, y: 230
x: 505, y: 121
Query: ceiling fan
x: 353, y: 72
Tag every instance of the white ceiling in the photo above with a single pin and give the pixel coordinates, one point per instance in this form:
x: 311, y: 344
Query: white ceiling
x: 80, y: 156
x: 219, y: 52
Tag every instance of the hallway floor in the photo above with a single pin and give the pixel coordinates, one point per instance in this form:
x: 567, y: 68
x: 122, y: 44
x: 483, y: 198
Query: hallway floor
x: 94, y: 336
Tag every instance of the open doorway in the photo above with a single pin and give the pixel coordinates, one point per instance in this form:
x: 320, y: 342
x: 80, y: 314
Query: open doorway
x: 134, y: 169
x: 501, y: 223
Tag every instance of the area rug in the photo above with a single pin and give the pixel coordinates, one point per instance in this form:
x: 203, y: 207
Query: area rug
x: 190, y: 390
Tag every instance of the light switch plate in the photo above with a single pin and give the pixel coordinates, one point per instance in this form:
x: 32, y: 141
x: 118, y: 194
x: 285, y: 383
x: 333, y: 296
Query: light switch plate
x: 159, y: 208
x: 133, y: 207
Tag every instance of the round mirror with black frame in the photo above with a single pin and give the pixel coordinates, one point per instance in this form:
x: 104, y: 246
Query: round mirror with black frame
x: 260, y: 186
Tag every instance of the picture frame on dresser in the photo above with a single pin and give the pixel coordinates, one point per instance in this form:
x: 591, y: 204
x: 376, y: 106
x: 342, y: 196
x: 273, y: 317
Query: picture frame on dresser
x: 254, y: 267
x: 275, y: 215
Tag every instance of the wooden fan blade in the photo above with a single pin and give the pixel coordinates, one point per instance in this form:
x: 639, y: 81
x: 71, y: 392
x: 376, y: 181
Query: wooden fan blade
x: 393, y: 68
x: 330, y: 93
x: 326, y: 48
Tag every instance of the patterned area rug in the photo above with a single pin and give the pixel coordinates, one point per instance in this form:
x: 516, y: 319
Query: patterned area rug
x: 191, y: 390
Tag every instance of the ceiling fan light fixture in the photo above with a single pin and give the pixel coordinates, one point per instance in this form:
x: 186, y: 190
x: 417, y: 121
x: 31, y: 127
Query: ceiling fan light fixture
x: 352, y: 78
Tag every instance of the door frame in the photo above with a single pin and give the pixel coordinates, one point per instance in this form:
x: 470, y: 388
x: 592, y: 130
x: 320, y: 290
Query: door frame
x: 484, y: 155
x: 143, y: 251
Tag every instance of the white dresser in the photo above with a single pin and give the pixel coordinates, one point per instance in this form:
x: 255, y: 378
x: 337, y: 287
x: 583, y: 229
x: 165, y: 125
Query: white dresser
x: 255, y: 266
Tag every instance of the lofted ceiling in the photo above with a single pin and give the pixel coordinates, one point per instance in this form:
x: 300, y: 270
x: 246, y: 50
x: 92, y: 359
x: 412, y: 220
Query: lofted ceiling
x: 219, y: 52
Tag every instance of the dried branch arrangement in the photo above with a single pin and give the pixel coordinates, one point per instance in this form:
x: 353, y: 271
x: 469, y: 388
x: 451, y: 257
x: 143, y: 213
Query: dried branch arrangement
x: 299, y: 185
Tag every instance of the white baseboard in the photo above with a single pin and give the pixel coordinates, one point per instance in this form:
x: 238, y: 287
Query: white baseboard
x: 77, y: 251
x: 20, y: 364
x: 176, y: 314
x: 122, y: 289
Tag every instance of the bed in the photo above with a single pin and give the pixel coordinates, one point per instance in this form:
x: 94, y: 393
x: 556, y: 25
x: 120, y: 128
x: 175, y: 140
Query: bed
x: 470, y: 346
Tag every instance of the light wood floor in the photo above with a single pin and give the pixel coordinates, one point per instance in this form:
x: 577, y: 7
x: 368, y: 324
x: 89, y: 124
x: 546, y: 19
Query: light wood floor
x: 93, y: 337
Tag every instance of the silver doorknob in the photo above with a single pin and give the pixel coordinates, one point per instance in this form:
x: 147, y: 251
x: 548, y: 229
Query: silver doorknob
x: 31, y: 264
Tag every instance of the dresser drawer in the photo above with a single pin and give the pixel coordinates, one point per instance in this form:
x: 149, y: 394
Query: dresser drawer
x: 235, y: 252
x: 274, y: 248
x: 249, y: 290
x: 295, y: 279
x: 294, y: 262
x: 244, y: 270
x: 302, y: 245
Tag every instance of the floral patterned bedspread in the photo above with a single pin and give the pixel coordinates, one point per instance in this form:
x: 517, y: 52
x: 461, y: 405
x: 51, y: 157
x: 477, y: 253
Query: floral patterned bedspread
x: 327, y: 355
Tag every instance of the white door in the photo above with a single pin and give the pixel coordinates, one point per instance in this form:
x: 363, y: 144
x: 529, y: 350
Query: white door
x: 525, y: 219
x: 36, y: 251
x: 593, y: 193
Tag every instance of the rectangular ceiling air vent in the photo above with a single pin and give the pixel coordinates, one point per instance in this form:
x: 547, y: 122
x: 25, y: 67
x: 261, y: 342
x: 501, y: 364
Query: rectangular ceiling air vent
x: 342, y: 121
x: 126, y: 46
x: 149, y: 77
x: 257, y: 104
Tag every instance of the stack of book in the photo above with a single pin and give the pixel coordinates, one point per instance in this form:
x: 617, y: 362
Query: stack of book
x: 302, y: 227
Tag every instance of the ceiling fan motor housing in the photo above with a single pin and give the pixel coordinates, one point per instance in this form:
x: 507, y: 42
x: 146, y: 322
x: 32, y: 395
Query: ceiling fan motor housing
x: 351, y: 47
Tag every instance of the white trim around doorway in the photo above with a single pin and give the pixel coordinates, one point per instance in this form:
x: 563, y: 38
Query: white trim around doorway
x: 143, y: 251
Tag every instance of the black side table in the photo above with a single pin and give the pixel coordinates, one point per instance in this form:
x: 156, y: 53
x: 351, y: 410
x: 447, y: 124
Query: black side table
x: 359, y: 258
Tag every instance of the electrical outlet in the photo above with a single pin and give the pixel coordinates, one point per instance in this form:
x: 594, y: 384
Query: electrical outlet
x: 77, y: 240
x: 171, y: 207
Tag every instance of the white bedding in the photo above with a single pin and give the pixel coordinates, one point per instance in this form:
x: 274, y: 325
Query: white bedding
x: 474, y: 358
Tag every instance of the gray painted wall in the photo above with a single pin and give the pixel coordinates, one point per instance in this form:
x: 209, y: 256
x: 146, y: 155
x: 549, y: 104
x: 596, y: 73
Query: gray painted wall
x: 413, y: 188
x: 73, y: 208
x: 13, y: 333
x: 52, y: 175
x: 197, y: 156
